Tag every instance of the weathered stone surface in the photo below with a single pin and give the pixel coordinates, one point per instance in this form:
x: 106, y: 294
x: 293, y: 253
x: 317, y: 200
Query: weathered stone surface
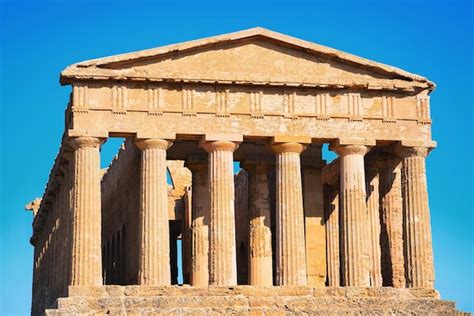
x: 290, y: 227
x: 391, y: 207
x: 331, y: 219
x: 418, y: 250
x: 153, y: 262
x: 242, y: 301
x: 85, y: 246
x: 200, y: 222
x: 260, y: 236
x: 242, y: 226
x: 313, y: 204
x: 373, y: 209
x: 290, y: 248
x: 222, y: 257
x: 354, y: 216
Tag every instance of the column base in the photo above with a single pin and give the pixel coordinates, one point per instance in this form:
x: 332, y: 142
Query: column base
x: 246, y: 300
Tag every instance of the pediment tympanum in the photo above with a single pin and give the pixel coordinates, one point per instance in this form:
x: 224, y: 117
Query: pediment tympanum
x: 255, y: 56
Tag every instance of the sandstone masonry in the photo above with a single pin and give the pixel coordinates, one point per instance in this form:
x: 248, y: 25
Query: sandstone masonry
x: 288, y: 234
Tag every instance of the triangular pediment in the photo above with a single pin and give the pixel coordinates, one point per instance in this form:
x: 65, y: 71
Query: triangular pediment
x: 253, y: 56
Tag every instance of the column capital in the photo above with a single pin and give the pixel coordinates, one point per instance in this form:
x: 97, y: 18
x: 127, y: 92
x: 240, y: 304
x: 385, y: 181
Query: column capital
x: 344, y: 150
x: 85, y: 141
x: 291, y: 147
x: 221, y: 145
x: 153, y: 143
x: 416, y: 151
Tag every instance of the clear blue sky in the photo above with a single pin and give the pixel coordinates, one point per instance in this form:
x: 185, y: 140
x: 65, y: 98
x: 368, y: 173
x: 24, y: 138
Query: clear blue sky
x: 432, y: 38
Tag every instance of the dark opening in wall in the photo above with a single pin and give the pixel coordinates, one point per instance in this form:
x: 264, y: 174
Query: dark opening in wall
x: 176, y: 262
x: 242, y: 265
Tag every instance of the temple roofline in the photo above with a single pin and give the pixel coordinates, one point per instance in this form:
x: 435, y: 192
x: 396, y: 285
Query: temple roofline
x: 79, y: 70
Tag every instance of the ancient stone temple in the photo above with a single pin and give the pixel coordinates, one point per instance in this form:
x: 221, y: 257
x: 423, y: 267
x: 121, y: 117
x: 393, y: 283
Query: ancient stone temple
x: 289, y: 233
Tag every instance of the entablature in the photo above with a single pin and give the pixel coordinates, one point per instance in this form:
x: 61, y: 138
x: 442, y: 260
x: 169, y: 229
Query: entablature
x: 124, y: 109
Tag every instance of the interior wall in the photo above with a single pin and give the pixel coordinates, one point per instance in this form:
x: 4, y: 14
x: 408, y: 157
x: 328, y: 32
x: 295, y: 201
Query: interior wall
x: 120, y: 214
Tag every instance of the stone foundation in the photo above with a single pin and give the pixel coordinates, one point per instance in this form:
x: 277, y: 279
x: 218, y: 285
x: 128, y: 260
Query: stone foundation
x: 249, y: 300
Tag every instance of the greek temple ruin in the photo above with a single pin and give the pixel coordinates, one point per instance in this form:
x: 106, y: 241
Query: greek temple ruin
x: 288, y: 233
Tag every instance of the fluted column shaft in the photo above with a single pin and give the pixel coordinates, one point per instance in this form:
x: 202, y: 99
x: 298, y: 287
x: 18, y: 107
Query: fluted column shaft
x: 199, y: 224
x: 260, y: 236
x: 154, y: 236
x: 222, y: 252
x: 86, y: 260
x: 290, y: 245
x: 331, y: 197
x: 416, y: 213
x: 354, y: 230
x: 392, y: 220
x: 373, y: 207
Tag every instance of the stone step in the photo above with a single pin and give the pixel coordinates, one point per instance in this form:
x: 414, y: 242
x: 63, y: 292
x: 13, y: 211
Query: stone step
x: 242, y: 305
x: 249, y: 300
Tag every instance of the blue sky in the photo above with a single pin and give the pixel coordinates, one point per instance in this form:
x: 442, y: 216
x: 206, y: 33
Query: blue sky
x: 431, y: 38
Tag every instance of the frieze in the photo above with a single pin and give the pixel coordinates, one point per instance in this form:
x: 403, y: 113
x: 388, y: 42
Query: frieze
x: 227, y: 100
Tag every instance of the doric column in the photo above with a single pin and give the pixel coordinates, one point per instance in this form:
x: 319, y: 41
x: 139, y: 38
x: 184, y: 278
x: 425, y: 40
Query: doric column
x: 373, y: 206
x: 86, y: 261
x: 354, y: 217
x: 331, y: 200
x: 392, y: 221
x: 260, y: 236
x: 290, y: 245
x: 200, y: 222
x: 154, y: 236
x: 68, y: 169
x: 416, y: 213
x: 222, y: 256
